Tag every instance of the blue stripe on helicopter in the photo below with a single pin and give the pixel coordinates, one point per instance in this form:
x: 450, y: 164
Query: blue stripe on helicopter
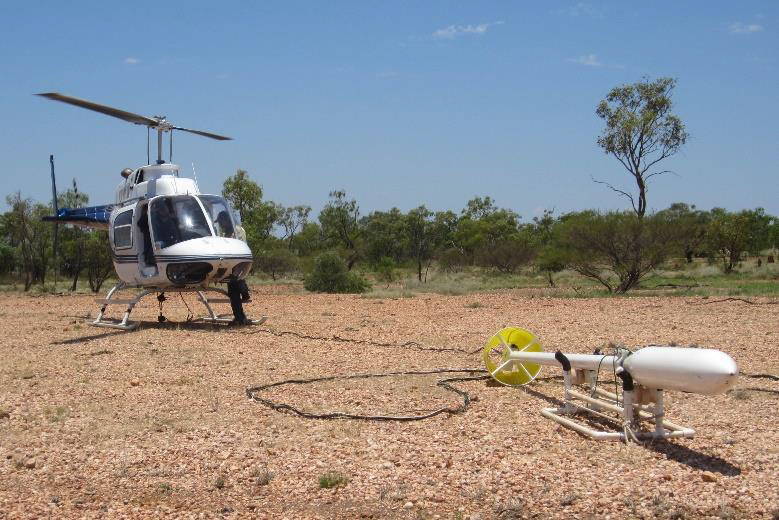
x: 189, y: 258
x: 129, y: 259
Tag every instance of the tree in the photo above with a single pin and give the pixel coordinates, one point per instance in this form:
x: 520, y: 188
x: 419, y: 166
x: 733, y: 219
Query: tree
x: 422, y: 237
x: 478, y: 208
x: 277, y: 261
x: 509, y: 253
x: 640, y: 132
x: 98, y: 259
x: 616, y: 249
x: 692, y: 224
x: 72, y: 238
x: 308, y: 240
x: 243, y: 194
x: 257, y: 216
x: 292, y: 220
x: 340, y: 225
x: 30, y: 235
x: 550, y: 259
x: 730, y: 235
x: 385, y: 236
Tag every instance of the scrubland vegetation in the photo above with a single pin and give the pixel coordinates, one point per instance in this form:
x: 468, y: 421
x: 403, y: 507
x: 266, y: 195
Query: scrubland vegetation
x: 479, y: 247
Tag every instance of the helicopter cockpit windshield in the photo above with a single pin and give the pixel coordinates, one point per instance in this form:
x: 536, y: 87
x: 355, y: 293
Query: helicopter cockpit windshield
x: 177, y: 219
x: 219, y: 212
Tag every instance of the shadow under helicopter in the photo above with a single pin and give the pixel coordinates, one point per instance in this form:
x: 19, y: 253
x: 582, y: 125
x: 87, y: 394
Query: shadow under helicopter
x: 167, y: 325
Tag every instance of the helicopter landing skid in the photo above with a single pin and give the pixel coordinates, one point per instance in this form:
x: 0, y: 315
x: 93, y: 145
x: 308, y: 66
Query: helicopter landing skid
x: 125, y: 324
x: 220, y: 318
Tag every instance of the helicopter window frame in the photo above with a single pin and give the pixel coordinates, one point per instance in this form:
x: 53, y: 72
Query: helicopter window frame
x: 153, y: 226
x: 119, y: 224
x: 208, y: 202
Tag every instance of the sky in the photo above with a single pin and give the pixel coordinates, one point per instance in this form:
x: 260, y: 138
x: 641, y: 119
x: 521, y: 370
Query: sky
x: 398, y: 103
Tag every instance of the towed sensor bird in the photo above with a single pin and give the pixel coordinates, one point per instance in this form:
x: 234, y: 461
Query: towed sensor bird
x: 164, y: 234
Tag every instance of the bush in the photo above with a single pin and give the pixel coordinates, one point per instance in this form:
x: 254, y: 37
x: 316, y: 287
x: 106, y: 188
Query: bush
x: 330, y: 275
x: 452, y: 260
x: 506, y: 255
x: 385, y: 270
x: 332, y: 479
x: 276, y: 262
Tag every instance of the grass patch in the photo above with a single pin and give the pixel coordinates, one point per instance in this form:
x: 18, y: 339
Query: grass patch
x: 58, y: 414
x: 262, y: 476
x: 220, y: 482
x: 165, y: 488
x: 332, y: 479
x: 474, y: 305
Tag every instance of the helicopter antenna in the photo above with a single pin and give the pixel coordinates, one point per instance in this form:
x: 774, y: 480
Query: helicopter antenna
x: 194, y: 174
x: 148, y: 151
x: 170, y: 147
x: 158, y: 123
x: 56, y: 224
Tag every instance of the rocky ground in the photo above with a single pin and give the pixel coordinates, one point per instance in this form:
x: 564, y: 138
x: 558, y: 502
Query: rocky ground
x: 101, y: 423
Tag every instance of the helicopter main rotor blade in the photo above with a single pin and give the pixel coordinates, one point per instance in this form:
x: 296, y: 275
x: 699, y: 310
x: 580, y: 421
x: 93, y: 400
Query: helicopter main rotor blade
x: 205, y: 134
x: 103, y: 109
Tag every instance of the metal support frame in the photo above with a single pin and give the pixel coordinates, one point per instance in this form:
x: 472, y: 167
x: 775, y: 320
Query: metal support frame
x: 125, y: 324
x: 630, y: 413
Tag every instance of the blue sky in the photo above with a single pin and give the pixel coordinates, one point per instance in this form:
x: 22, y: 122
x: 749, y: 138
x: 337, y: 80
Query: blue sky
x: 398, y: 103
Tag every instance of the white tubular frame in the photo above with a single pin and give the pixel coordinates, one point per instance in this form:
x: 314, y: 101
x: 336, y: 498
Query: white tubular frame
x: 125, y: 324
x: 599, y: 401
x: 630, y: 412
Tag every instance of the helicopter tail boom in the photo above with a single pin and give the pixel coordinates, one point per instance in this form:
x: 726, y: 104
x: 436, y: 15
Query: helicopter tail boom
x: 95, y: 217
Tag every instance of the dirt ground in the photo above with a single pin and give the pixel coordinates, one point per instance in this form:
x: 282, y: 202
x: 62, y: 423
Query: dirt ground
x: 97, y: 423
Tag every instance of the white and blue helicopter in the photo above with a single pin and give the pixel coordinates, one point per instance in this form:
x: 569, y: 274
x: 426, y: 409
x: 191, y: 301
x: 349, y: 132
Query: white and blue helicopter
x: 164, y: 234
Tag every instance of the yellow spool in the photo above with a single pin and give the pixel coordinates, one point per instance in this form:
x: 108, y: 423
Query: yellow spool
x: 496, y: 352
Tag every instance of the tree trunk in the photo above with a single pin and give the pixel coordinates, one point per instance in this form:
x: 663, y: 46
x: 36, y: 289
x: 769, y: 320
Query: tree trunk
x: 75, y: 282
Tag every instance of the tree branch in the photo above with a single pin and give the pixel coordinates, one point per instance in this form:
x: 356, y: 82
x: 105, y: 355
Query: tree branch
x: 623, y: 193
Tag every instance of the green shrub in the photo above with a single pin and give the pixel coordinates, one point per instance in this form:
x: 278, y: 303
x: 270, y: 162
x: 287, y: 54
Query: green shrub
x: 331, y: 276
x: 332, y: 479
x: 385, y: 270
x: 276, y: 262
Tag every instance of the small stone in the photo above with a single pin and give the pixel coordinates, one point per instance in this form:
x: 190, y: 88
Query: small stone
x: 666, y: 476
x: 708, y: 476
x: 29, y: 463
x: 135, y: 382
x: 408, y: 505
x: 387, y: 465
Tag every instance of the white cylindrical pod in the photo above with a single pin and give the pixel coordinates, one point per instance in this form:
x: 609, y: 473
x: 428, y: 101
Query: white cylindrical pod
x: 582, y: 361
x: 699, y: 371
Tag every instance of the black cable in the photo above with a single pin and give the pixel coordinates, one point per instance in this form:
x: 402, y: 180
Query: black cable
x: 190, y: 316
x: 253, y: 391
x: 409, y: 344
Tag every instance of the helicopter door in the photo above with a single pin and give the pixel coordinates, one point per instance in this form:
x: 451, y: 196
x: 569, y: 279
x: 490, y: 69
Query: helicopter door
x: 147, y: 253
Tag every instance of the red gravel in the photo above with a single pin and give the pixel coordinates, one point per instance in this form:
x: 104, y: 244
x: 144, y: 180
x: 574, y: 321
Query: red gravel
x: 101, y: 423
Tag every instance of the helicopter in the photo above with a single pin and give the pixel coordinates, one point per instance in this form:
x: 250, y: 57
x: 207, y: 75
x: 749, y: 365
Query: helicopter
x: 164, y: 234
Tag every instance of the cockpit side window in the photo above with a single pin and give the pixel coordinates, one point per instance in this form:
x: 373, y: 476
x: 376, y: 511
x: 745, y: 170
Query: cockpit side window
x: 219, y: 212
x: 123, y: 227
x: 177, y: 219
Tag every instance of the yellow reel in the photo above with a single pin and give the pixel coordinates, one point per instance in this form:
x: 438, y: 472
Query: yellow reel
x: 496, y: 355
